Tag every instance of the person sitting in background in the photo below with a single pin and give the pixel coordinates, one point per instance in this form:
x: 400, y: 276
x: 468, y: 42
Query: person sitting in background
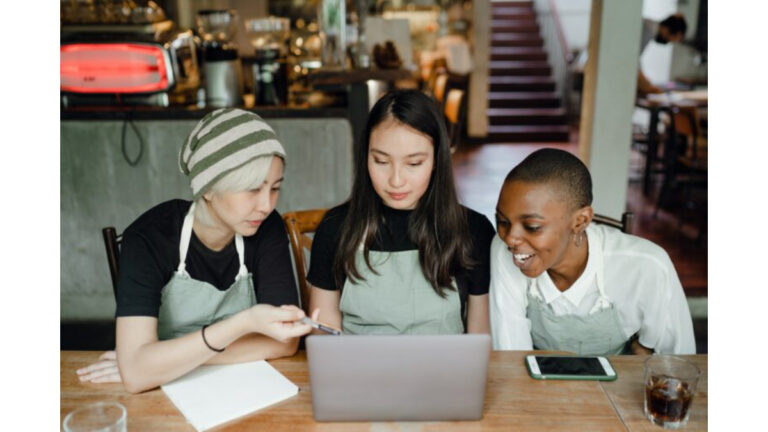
x: 559, y: 282
x: 671, y: 30
x: 402, y: 256
x: 198, y: 277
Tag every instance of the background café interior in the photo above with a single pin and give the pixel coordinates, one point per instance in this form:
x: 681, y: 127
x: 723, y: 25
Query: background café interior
x: 137, y: 75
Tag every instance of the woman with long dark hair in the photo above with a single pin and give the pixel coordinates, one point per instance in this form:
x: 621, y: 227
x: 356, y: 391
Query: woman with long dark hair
x: 402, y: 256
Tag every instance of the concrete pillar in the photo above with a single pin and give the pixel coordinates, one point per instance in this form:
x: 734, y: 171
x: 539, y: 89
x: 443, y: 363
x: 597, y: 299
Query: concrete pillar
x: 477, y: 117
x: 608, y: 101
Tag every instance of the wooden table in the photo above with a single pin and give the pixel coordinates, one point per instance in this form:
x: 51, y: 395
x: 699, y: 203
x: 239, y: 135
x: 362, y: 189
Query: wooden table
x: 656, y: 103
x: 626, y: 394
x: 513, y: 401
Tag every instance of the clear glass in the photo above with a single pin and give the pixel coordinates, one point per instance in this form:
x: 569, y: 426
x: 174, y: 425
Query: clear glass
x: 97, y: 417
x: 669, y: 386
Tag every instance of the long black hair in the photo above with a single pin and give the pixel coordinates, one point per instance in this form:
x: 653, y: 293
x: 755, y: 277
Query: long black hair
x: 438, y: 225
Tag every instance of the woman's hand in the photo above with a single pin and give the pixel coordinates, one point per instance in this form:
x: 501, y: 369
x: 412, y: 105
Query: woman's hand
x: 103, y: 371
x: 638, y: 349
x: 279, y: 323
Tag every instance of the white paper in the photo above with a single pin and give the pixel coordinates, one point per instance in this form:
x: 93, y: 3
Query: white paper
x: 211, y: 395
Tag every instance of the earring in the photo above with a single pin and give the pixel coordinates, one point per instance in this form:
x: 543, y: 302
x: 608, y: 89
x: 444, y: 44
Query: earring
x: 577, y: 239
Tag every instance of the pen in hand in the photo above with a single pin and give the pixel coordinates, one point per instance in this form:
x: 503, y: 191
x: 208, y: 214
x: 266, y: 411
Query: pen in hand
x: 321, y: 327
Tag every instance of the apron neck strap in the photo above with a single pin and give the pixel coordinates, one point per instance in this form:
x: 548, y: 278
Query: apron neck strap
x: 186, y: 236
x: 239, y: 245
x: 596, y: 253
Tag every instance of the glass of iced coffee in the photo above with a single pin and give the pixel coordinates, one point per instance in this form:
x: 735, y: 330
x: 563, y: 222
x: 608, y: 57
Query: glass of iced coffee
x: 670, y: 383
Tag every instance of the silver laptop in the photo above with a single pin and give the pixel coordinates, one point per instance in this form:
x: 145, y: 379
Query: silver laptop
x: 405, y: 378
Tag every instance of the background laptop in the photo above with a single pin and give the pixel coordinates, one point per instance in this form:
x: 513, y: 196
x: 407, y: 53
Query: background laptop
x: 381, y: 378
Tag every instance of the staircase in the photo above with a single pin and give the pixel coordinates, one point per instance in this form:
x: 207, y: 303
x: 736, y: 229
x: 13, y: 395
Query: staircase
x: 522, y: 103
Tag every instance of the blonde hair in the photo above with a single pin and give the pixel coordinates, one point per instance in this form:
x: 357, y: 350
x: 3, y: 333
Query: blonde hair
x: 249, y: 176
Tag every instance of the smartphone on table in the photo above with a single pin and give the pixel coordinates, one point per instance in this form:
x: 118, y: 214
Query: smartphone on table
x: 559, y: 367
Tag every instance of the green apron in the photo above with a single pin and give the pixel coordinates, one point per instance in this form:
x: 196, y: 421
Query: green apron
x: 397, y: 300
x: 186, y: 304
x: 598, y: 333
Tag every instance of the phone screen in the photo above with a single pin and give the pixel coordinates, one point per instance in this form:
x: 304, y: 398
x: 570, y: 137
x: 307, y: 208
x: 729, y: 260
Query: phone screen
x: 570, y: 366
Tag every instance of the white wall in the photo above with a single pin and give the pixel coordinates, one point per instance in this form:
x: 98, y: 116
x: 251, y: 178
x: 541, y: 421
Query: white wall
x: 574, y: 17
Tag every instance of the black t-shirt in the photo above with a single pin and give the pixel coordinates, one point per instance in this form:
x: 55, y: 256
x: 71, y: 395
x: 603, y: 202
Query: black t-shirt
x: 149, y: 256
x: 394, y: 238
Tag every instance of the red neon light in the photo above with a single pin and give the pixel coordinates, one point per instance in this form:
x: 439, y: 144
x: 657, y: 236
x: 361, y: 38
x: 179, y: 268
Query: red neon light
x: 113, y: 68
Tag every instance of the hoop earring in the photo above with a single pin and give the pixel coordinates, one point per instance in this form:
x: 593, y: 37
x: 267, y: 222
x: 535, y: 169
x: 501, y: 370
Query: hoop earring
x: 577, y: 239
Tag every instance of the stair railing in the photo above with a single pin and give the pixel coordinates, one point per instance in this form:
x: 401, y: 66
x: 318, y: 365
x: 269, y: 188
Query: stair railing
x: 556, y: 45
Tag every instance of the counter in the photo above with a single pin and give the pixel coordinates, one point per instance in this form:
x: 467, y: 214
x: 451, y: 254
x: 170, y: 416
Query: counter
x: 191, y: 112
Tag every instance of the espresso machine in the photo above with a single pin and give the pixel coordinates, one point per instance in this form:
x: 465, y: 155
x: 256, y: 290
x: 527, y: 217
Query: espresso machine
x: 269, y: 37
x: 221, y: 61
x: 112, y: 54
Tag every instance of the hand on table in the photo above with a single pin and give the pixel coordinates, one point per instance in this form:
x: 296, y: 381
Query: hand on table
x: 103, y: 371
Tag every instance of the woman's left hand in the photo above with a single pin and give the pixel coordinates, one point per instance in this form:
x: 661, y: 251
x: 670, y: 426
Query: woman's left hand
x: 103, y: 371
x: 638, y: 349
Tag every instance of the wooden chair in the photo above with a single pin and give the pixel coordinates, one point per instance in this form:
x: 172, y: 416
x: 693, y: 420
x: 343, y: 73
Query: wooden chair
x: 299, y: 224
x: 626, y: 224
x: 454, y: 114
x: 112, y: 246
x: 685, y: 165
x: 437, y: 67
x: 441, y: 82
x: 687, y: 125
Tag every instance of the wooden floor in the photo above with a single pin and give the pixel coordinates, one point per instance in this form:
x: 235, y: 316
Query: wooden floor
x: 480, y: 171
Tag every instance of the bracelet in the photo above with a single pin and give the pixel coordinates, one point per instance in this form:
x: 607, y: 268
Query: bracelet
x: 209, y: 345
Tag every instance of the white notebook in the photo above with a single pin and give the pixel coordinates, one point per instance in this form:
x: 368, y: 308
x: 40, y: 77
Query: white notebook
x: 211, y: 395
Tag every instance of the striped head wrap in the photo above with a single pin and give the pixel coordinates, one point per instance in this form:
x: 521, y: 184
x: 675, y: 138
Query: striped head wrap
x: 223, y: 141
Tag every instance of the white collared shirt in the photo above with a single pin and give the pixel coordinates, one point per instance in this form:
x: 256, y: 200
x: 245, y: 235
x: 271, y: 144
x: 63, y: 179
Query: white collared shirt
x: 649, y: 30
x: 640, y: 281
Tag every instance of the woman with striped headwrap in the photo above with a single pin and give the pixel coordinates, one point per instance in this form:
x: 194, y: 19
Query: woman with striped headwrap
x: 198, y: 277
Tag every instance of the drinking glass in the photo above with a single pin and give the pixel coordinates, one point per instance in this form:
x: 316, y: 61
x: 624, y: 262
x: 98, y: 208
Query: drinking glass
x: 670, y: 383
x: 97, y: 417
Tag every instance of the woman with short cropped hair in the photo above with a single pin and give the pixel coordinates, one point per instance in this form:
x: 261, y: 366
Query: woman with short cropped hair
x: 559, y: 282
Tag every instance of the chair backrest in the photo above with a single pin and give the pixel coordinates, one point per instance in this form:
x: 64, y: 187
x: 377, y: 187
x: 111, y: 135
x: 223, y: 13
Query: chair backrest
x: 434, y: 68
x: 686, y: 121
x: 441, y: 83
x: 299, y: 224
x: 625, y: 224
x: 453, y: 105
x: 453, y: 113
x: 112, y: 246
